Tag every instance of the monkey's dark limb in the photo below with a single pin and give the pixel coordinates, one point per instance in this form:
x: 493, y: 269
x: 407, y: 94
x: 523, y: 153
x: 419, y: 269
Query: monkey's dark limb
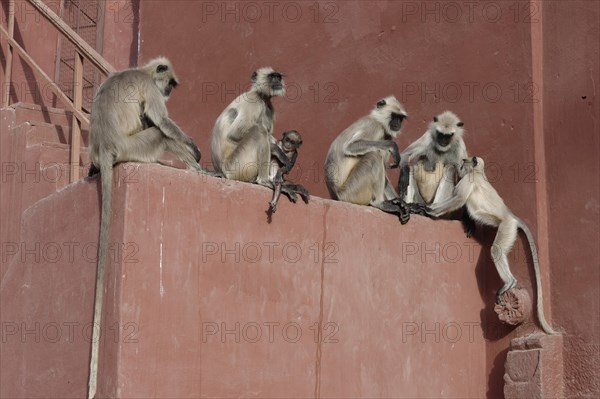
x: 511, y: 284
x: 298, y: 188
x: 276, y: 194
x: 403, y: 181
x: 289, y: 192
x: 469, y: 225
x: 418, y: 209
x: 414, y: 208
x: 281, y: 157
x: 93, y: 171
x: 396, y: 207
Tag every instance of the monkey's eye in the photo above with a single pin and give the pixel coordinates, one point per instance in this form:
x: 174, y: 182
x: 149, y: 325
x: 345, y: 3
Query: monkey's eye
x: 161, y: 68
x: 380, y: 103
x: 460, y: 124
x: 398, y: 116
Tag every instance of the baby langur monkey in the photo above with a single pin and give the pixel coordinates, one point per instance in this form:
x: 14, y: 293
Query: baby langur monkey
x: 486, y: 207
x: 283, y: 158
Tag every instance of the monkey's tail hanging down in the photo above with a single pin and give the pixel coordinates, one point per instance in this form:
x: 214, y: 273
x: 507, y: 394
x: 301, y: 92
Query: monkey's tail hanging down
x: 106, y: 181
x: 538, y: 278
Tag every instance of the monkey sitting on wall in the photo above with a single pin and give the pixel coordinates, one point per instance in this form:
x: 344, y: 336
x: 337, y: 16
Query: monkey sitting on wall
x: 242, y: 136
x: 129, y: 122
x: 428, y: 167
x: 486, y: 207
x: 284, y: 153
x: 355, y: 168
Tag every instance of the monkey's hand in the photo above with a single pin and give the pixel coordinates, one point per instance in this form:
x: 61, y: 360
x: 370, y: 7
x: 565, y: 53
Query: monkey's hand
x: 194, y: 150
x: 395, y: 155
x: 418, y: 209
x: 273, y: 206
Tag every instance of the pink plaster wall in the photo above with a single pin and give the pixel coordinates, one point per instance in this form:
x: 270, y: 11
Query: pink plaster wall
x: 396, y: 303
x: 338, y: 66
x: 493, y: 64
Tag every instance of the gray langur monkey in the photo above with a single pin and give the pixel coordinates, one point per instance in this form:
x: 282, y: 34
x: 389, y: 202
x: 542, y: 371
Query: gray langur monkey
x: 355, y: 168
x: 129, y: 123
x: 428, y: 169
x: 283, y: 158
x: 241, y: 138
x: 486, y: 207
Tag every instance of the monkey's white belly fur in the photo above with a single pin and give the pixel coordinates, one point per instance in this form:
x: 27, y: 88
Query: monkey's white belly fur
x: 428, y: 182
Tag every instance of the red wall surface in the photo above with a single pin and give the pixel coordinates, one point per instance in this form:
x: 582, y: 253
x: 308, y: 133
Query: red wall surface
x: 205, y: 298
x: 572, y: 144
x: 522, y: 76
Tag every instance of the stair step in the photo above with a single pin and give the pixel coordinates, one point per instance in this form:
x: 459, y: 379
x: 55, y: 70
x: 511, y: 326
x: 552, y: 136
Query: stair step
x: 42, y: 132
x: 31, y: 112
x: 7, y: 117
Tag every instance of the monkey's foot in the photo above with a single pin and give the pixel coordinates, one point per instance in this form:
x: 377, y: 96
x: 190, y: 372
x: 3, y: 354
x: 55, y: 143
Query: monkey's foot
x: 302, y: 191
x: 273, y: 206
x: 418, y: 209
x: 514, y: 306
x: 305, y: 197
x: 290, y: 193
x: 404, y: 217
x: 397, y: 207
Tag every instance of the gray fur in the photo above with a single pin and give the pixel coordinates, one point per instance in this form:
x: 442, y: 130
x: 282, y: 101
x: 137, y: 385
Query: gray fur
x: 355, y: 168
x: 129, y: 123
x: 432, y: 167
x: 283, y: 158
x: 486, y: 207
x: 242, y: 135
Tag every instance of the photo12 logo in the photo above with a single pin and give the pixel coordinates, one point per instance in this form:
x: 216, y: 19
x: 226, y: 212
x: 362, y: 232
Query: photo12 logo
x: 267, y: 332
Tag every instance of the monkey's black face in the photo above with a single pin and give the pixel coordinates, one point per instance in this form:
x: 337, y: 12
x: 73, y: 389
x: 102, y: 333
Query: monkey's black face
x: 443, y: 139
x: 170, y: 86
x: 291, y: 142
x: 396, y: 121
x: 276, y: 80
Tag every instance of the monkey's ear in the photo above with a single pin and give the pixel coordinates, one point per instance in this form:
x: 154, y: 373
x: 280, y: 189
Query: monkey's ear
x: 460, y: 124
x: 380, y: 103
x: 254, y: 76
x: 162, y: 68
x: 435, y: 119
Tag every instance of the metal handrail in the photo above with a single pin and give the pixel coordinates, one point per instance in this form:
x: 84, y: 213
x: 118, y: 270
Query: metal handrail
x: 82, y: 50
